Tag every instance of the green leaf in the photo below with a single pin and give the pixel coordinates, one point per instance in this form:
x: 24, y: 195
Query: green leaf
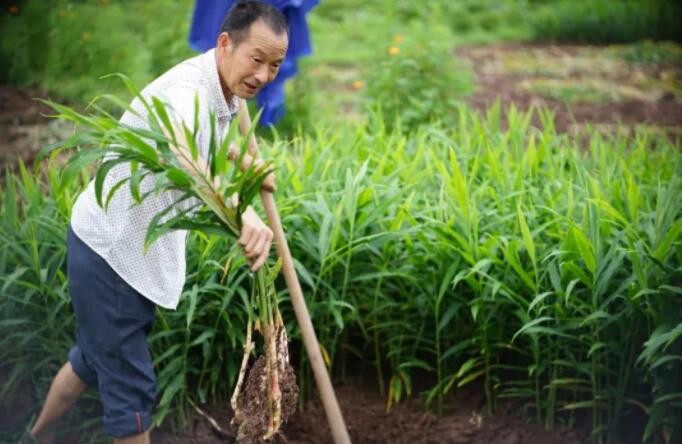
x: 113, y: 191
x: 130, y: 141
x: 179, y: 177
x: 204, y: 336
x: 585, y: 248
x: 101, y: 175
x: 136, y: 176
x: 527, y: 237
x: 470, y: 377
x: 579, y: 405
x: 529, y: 326
x: 192, y: 295
x: 162, y: 113
x: 663, y: 249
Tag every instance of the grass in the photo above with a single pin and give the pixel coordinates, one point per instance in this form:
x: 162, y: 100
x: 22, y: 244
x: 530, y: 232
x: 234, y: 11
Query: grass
x: 66, y: 48
x: 608, y: 21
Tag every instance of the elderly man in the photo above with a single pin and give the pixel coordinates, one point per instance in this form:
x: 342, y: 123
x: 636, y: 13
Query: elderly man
x: 115, y: 286
x: 206, y: 23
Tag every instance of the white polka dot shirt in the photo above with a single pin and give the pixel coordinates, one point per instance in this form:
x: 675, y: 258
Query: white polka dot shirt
x: 118, y: 234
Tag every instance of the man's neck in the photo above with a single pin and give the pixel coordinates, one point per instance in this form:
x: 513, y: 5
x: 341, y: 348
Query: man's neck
x: 227, y: 94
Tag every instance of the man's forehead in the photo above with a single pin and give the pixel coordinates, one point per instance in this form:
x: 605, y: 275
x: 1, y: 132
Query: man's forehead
x: 262, y: 37
x: 265, y: 49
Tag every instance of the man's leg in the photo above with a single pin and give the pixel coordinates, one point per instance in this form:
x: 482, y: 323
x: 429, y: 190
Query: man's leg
x: 111, y: 352
x: 65, y: 390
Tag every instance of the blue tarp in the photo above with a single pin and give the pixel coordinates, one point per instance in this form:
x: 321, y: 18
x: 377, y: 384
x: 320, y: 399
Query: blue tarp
x: 209, y: 15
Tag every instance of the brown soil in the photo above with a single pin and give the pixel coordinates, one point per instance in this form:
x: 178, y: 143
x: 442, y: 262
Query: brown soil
x: 495, y: 80
x: 24, y: 127
x: 368, y: 422
x: 16, y: 402
x: 251, y: 405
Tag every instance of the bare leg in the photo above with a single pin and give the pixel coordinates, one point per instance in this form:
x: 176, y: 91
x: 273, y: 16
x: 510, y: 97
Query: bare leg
x: 65, y: 390
x: 142, y: 438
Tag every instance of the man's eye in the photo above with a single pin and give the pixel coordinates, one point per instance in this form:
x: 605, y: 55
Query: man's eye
x: 256, y: 59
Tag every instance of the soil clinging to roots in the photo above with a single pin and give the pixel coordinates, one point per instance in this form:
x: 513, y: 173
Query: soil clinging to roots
x: 252, y: 402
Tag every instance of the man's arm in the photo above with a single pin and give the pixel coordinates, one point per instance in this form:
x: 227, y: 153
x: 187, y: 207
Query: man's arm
x: 255, y: 237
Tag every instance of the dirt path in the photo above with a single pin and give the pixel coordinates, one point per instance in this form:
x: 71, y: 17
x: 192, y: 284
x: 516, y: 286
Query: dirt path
x: 583, y: 85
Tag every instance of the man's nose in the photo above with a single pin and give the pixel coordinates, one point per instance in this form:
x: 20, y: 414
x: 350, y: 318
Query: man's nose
x: 262, y: 74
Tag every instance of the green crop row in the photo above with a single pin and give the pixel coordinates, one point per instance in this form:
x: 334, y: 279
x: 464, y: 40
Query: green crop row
x: 542, y: 267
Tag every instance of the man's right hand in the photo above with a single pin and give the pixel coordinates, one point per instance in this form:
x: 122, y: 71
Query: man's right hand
x: 247, y: 162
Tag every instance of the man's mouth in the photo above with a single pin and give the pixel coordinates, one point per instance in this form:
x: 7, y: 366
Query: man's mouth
x: 251, y: 87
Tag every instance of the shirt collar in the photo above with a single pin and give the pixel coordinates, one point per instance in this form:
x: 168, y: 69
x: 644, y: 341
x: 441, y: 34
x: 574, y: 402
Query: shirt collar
x: 222, y: 107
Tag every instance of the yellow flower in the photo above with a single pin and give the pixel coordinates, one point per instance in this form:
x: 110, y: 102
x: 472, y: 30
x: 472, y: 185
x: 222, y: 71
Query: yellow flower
x: 86, y: 36
x: 358, y: 84
x: 398, y: 38
x: 14, y: 10
x: 393, y: 50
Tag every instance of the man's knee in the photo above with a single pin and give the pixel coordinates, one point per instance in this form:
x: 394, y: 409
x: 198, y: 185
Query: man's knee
x: 71, y: 385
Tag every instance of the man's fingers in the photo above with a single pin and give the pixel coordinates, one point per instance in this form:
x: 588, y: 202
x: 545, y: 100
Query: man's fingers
x: 245, y: 235
x: 254, y: 241
x: 269, y: 183
x: 266, y: 250
x: 257, y: 249
x: 260, y: 261
x: 261, y: 251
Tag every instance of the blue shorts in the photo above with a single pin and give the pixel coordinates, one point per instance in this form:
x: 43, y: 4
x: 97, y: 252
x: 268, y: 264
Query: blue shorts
x: 111, y: 352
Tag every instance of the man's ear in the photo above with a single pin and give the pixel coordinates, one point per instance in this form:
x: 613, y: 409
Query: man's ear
x: 224, y: 41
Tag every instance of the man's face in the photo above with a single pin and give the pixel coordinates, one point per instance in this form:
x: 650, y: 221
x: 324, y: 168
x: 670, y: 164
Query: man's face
x: 245, y: 68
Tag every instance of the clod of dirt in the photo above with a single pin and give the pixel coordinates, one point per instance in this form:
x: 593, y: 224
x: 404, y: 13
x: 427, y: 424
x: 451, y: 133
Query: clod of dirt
x: 252, y: 419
